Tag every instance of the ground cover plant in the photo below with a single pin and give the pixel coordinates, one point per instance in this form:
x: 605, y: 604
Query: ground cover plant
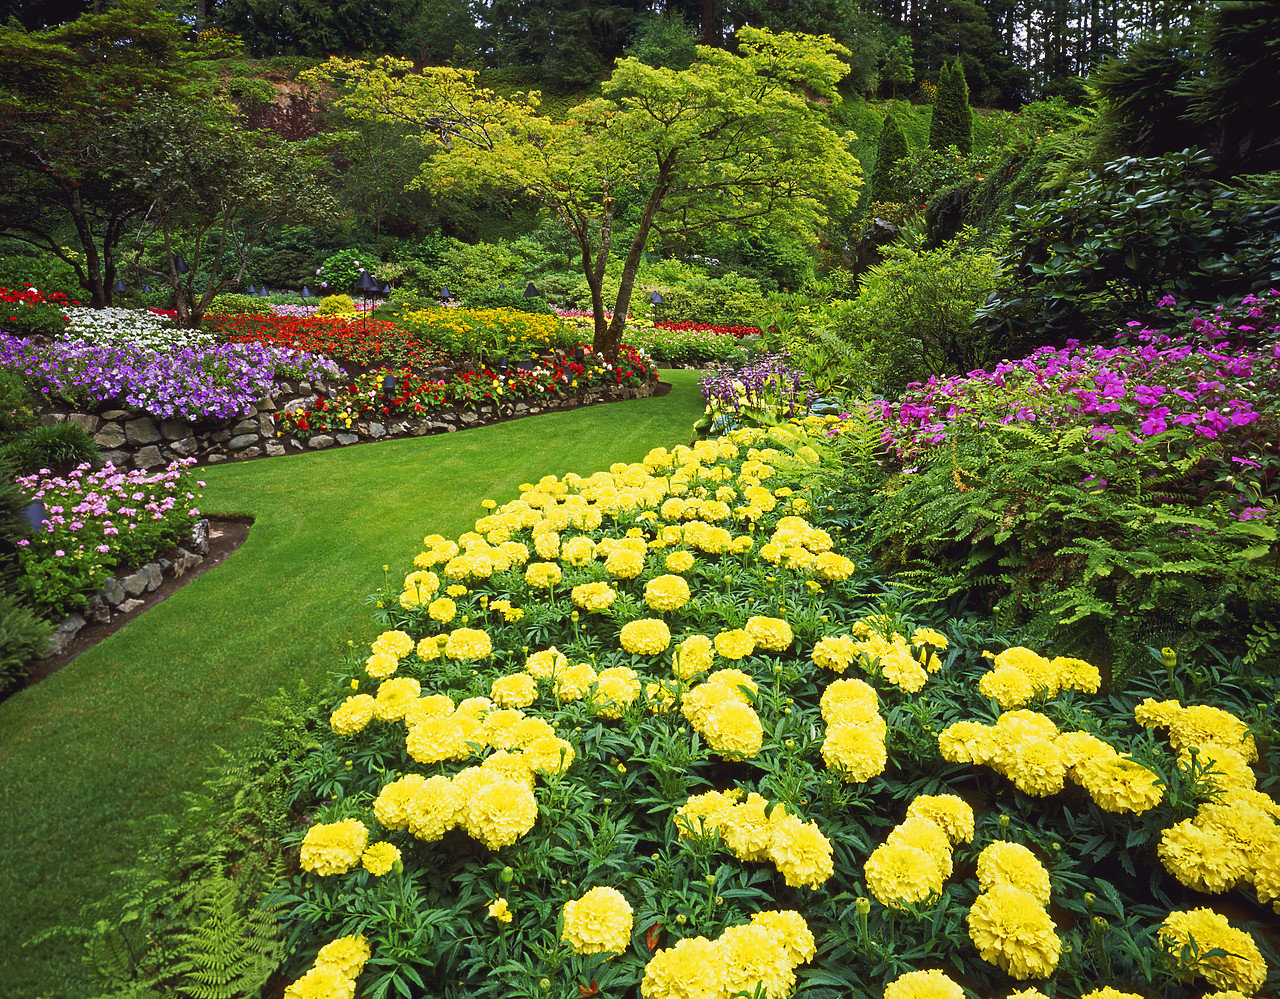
x: 646, y: 732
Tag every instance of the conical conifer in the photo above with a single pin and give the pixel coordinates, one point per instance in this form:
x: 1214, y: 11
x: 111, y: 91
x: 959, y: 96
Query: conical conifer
x: 952, y: 123
x: 891, y: 148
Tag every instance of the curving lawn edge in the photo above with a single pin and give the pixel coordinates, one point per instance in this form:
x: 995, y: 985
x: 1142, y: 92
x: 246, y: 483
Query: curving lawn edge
x: 123, y: 731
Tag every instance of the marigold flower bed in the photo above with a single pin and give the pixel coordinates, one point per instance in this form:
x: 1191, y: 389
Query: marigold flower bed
x: 651, y: 733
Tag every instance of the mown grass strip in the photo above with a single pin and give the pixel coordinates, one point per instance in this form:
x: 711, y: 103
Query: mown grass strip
x: 124, y: 730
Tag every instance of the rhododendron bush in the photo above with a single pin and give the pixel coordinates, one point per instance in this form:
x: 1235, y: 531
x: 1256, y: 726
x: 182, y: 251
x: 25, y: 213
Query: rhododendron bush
x: 657, y: 732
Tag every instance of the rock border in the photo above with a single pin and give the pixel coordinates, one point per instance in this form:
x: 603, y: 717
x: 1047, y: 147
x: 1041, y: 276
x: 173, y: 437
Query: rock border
x: 122, y: 593
x: 132, y: 439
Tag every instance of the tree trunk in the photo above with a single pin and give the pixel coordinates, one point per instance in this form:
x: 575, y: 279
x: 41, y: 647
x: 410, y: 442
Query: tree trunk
x: 99, y: 293
x: 634, y: 255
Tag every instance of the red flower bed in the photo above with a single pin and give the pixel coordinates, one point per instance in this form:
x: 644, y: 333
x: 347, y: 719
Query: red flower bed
x: 734, y: 331
x: 362, y: 341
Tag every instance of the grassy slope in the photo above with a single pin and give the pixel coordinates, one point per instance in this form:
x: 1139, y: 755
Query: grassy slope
x: 123, y: 731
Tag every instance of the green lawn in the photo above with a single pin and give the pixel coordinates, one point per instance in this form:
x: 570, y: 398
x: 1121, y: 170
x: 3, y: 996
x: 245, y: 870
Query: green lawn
x: 124, y: 730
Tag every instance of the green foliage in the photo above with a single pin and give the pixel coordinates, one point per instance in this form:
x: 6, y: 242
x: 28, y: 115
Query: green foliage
x: 340, y: 271
x: 43, y: 271
x: 729, y: 299
x: 33, y: 319
x: 336, y: 305
x: 952, y: 122
x: 924, y: 171
x: 1014, y: 515
x: 890, y: 149
x: 52, y: 446
x: 915, y: 314
x: 17, y: 406
x: 507, y: 297
x: 898, y: 66
x: 24, y: 639
x: 664, y: 40
x: 228, y: 953
x: 1114, y: 243
x: 232, y: 302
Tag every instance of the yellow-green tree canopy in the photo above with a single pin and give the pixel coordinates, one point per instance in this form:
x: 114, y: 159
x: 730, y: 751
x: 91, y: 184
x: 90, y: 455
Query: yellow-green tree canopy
x: 737, y: 139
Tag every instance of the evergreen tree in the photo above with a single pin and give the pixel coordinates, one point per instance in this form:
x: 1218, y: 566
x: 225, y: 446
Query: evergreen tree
x: 952, y: 123
x: 891, y: 148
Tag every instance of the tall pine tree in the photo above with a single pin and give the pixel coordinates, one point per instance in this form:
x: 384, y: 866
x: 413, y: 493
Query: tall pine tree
x: 952, y: 123
x: 891, y: 148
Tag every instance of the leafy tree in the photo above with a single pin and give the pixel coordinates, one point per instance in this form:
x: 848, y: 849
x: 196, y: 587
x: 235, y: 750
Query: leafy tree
x: 952, y: 123
x: 666, y: 41
x: 316, y: 27
x: 898, y: 68
x: 66, y: 95
x: 890, y: 149
x: 736, y: 140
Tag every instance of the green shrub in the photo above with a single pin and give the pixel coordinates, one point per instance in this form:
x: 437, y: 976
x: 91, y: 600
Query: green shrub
x: 24, y: 319
x: 17, y: 406
x: 731, y: 300
x: 336, y: 305
x: 43, y: 271
x: 24, y: 639
x: 507, y: 297
x: 53, y: 446
x: 916, y: 314
x: 952, y: 122
x: 890, y: 149
x: 231, y: 302
x: 340, y: 271
x: 665, y: 40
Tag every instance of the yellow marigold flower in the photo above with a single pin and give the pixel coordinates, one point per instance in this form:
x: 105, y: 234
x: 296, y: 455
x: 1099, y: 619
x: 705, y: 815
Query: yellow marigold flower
x: 499, y: 813
x: 1008, y: 687
x: 598, y: 922
x: 468, y: 643
x: 926, y: 837
x: 1006, y: 863
x: 1226, y: 768
x: 391, y: 807
x: 1076, y: 747
x: 442, y: 609
x: 692, y: 969
x: 898, y: 875
x: 543, y: 575
x: 530, y: 729
x: 1118, y: 784
x: 1023, y: 724
x: 949, y: 812
x: 735, y: 680
x: 929, y: 984
x: 900, y: 668
x: 745, y: 829
x: 476, y: 707
x: 1033, y: 764
x: 623, y: 563
x: 679, y: 561
x: 851, y: 701
x: 346, y: 955
x: 381, y: 665
x: 856, y: 752
x: 800, y: 852
x: 832, y: 567
x: 1076, y: 674
x: 500, y: 727
x: 322, y: 982
x: 431, y: 706
x: 735, y: 644
x: 429, y: 648
x: 434, y: 809
x: 666, y: 593
x: 1241, y: 967
x: 394, y: 697
x: 517, y: 690
x: 1201, y: 858
x: 593, y: 596
x: 733, y: 729
x: 433, y: 740
x: 578, y: 551
x: 380, y: 858
x: 352, y: 715
x: 752, y: 958
x: 393, y: 643
x: 547, y: 545
x: 646, y: 637
x: 703, y: 812
x: 1203, y: 725
x: 572, y: 682
x: 693, y: 656
x: 1107, y: 992
x: 616, y: 688
x: 1013, y: 931
x: 499, y: 910
x: 509, y: 765
x: 967, y: 742
x: 334, y: 847
x: 835, y: 652
x: 548, y: 755
x: 789, y: 928
x: 1156, y: 714
x: 545, y: 664
x: 770, y: 633
x: 742, y: 544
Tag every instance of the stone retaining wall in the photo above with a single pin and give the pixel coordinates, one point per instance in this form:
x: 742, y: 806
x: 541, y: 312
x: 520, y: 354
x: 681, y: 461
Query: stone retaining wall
x: 123, y: 592
x: 130, y: 439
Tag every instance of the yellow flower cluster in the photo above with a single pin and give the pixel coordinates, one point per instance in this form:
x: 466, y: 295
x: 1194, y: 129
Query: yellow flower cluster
x: 647, y: 636
x: 419, y: 587
x: 892, y: 654
x: 617, y: 688
x: 352, y: 715
x: 334, y: 973
x: 493, y: 803
x: 500, y: 910
x: 915, y: 860
x: 1021, y: 675
x: 799, y: 850
x: 1234, y: 837
x: 931, y: 984
x: 598, y: 597
x: 854, y: 743
x: 1013, y: 931
x: 598, y: 922
x: 693, y: 657
x: 720, y: 710
x: 764, y: 952
x: 379, y: 858
x: 666, y: 593
x: 517, y: 690
x: 334, y: 847
x: 1027, y: 747
x: 1240, y: 968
